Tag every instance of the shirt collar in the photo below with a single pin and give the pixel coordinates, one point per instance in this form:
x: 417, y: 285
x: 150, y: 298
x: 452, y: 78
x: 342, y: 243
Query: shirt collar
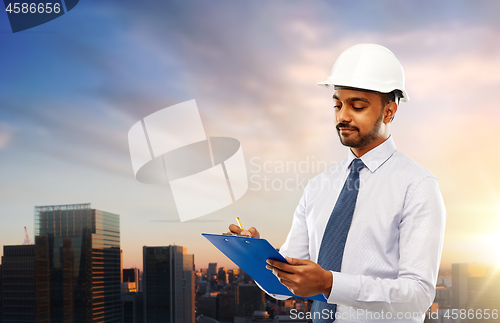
x: 377, y: 156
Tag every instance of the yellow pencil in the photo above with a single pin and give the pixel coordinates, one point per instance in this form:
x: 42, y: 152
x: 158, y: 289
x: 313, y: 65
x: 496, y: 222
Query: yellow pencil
x: 239, y: 223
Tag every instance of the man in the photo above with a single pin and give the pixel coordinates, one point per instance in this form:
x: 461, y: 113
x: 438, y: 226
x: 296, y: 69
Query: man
x: 376, y: 255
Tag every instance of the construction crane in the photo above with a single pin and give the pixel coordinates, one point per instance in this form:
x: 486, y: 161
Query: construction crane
x: 27, y: 240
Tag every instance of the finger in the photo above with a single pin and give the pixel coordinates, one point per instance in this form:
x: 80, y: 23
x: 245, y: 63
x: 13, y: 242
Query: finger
x: 284, y: 278
x: 275, y: 263
x: 296, y: 261
x: 235, y: 229
x: 280, y: 266
x: 290, y: 261
x: 246, y: 233
x: 272, y: 262
x: 254, y: 233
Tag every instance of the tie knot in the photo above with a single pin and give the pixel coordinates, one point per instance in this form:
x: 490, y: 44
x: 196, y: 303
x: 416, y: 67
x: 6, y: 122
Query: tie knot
x: 357, y: 165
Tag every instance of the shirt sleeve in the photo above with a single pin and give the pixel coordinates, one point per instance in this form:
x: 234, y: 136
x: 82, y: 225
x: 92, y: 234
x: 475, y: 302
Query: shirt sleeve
x: 420, y: 245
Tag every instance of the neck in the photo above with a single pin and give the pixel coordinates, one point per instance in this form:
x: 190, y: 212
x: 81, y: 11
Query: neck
x: 360, y: 151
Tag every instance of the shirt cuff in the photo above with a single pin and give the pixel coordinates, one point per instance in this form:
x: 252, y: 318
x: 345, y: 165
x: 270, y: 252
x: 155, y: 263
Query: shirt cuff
x: 333, y: 283
x: 346, y: 287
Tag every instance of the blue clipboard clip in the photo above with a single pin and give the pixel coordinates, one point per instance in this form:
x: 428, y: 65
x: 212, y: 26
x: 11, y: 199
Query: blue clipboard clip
x: 250, y: 254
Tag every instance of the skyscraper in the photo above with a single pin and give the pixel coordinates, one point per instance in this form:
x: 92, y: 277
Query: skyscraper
x: 83, y: 262
x: 222, y: 275
x: 121, y: 266
x: 168, y: 280
x: 130, y: 280
x: 248, y: 298
x: 231, y: 275
x: 460, y: 274
x: 212, y: 269
x: 1, y: 295
x: 225, y: 307
x: 131, y: 275
x: 19, y: 288
x: 25, y: 284
x: 133, y: 307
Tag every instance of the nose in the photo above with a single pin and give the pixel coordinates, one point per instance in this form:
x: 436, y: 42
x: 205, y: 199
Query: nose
x: 343, y: 115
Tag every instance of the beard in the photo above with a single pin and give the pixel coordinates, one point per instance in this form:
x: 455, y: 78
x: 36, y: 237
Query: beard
x: 362, y: 140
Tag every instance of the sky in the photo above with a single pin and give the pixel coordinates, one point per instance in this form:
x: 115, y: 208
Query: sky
x: 71, y: 89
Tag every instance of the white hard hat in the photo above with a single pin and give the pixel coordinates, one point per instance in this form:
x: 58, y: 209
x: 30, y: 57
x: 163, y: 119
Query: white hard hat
x: 370, y: 67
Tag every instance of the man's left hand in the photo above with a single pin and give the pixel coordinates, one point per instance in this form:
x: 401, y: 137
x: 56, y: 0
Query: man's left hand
x: 302, y: 277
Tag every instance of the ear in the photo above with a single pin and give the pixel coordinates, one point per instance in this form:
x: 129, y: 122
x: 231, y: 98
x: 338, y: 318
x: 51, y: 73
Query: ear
x: 390, y: 111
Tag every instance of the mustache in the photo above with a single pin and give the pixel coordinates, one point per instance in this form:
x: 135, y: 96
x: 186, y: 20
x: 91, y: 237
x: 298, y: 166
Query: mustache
x: 345, y: 126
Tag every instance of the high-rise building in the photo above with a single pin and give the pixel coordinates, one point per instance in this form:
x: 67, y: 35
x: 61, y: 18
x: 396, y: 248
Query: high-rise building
x: 131, y: 275
x: 25, y: 284
x: 19, y: 288
x: 207, y: 306
x: 18, y: 264
x: 459, y: 274
x: 42, y: 279
x: 133, y: 307
x: 1, y: 295
x: 231, y: 275
x: 121, y: 265
x: 168, y: 285
x: 222, y: 275
x: 212, y: 269
x: 83, y: 260
x: 20, y: 301
x: 248, y: 299
x: 225, y: 307
x: 130, y: 280
x: 202, y: 275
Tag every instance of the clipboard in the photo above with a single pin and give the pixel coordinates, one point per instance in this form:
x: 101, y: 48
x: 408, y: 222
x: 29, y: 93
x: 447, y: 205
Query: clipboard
x: 250, y: 254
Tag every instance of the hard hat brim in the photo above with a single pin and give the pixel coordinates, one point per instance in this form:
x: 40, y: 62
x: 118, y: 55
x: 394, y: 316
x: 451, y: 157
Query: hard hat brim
x: 328, y: 83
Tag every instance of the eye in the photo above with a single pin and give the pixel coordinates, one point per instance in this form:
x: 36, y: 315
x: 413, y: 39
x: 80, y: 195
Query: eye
x: 338, y: 106
x: 358, y: 107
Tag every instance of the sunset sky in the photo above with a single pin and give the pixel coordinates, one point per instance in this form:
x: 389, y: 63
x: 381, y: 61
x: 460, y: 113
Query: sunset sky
x: 71, y: 89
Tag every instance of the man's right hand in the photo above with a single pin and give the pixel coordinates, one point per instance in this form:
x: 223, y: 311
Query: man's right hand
x: 252, y: 232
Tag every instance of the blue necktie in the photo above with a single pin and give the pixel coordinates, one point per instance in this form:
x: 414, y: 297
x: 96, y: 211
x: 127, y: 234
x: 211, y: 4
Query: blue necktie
x: 333, y: 243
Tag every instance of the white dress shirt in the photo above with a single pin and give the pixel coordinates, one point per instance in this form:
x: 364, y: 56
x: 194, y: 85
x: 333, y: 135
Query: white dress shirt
x: 393, y: 249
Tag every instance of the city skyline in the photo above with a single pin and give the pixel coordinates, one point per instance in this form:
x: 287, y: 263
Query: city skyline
x: 216, y: 257
x: 223, y: 261
x: 70, y: 91
x: 170, y: 289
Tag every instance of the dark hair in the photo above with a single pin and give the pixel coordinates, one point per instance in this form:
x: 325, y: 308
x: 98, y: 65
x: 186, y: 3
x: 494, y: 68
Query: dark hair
x: 385, y: 98
x: 393, y: 96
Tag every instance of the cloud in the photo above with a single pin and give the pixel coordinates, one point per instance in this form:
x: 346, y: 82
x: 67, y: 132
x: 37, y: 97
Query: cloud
x: 253, y: 68
x: 4, y: 139
x: 253, y: 72
x: 6, y: 135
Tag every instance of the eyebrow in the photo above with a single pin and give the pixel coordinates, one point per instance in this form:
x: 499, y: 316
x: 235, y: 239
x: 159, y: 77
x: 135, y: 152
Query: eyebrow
x: 353, y: 99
